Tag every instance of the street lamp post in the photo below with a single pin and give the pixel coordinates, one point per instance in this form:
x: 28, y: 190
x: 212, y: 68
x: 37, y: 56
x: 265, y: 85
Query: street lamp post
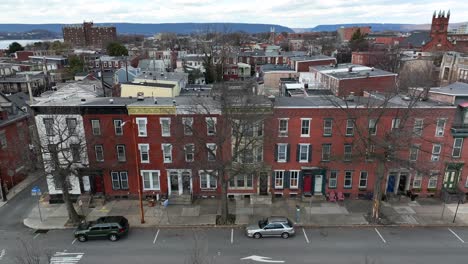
x: 37, y: 192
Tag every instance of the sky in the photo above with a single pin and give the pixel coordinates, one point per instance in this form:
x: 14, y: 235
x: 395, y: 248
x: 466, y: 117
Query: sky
x: 290, y: 13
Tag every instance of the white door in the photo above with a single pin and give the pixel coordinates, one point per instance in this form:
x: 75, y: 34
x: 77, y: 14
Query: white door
x: 318, y: 184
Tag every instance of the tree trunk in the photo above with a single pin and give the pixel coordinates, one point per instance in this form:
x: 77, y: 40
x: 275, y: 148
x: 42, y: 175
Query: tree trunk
x: 72, y: 214
x: 224, y: 201
x: 377, y: 192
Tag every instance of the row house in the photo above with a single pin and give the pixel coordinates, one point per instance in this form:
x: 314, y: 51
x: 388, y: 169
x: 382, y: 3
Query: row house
x: 302, y: 64
x: 108, y: 63
x: 453, y: 68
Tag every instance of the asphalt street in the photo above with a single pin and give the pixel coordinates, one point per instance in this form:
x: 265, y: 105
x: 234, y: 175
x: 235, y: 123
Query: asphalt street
x: 324, y: 245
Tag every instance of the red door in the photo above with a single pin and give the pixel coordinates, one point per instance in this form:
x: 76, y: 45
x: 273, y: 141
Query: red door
x: 98, y: 188
x: 307, y: 184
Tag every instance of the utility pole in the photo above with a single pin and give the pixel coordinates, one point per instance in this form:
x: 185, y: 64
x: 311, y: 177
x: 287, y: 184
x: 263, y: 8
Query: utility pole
x: 126, y: 67
x: 102, y: 78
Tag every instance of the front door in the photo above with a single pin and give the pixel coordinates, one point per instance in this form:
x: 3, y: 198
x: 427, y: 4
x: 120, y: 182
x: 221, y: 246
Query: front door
x: 391, y: 183
x: 98, y: 188
x: 174, y: 179
x: 450, y: 179
x: 186, y: 183
x: 263, y: 190
x: 318, y: 184
x: 402, y: 183
x: 307, y: 184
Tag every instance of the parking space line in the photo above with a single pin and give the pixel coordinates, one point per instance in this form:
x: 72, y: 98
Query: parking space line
x: 232, y: 235
x: 36, y: 235
x: 455, y: 234
x: 305, y: 235
x: 381, y: 237
x: 74, y: 240
x: 156, y: 237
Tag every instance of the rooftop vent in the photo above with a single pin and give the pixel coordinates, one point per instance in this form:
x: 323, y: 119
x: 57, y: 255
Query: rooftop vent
x: 140, y: 96
x: 174, y: 102
x: 155, y: 101
x: 350, y: 69
x: 406, y: 98
x: 111, y: 101
x: 350, y: 97
x: 83, y: 99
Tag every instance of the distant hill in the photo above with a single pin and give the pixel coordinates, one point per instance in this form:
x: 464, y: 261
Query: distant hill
x: 150, y: 29
x: 375, y: 27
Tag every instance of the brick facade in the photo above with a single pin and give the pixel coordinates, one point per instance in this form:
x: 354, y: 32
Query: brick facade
x: 88, y: 35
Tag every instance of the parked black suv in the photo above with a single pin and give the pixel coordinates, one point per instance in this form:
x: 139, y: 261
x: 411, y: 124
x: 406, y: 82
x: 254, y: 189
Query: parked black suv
x: 111, y: 227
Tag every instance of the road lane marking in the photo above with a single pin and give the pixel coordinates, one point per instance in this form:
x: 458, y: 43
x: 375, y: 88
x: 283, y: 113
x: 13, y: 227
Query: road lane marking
x: 232, y: 235
x: 305, y: 235
x: 66, y: 258
x: 36, y: 235
x: 74, y: 240
x: 381, y: 237
x: 2, y: 253
x: 156, y: 237
x: 455, y: 234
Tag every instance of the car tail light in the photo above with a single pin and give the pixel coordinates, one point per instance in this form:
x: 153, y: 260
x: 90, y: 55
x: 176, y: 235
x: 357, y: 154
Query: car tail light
x: 121, y: 230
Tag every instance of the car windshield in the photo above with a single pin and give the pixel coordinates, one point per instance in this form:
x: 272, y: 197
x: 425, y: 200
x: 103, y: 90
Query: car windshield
x: 262, y: 223
x: 84, y: 225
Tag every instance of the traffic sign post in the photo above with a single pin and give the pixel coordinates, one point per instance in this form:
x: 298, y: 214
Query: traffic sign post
x: 36, y: 191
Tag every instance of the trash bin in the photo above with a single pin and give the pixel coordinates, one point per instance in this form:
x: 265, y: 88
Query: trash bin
x: 298, y: 213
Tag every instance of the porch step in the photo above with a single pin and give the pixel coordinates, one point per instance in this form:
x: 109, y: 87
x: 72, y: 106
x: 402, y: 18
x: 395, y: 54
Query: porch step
x: 97, y: 201
x: 257, y: 199
x: 314, y: 198
x: 184, y: 199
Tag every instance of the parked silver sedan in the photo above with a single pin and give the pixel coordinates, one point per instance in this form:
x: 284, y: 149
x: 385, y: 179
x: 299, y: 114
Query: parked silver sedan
x: 272, y: 226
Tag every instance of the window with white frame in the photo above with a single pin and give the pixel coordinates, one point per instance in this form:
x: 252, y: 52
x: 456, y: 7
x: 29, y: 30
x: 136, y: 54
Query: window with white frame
x: 258, y: 129
x: 118, y: 127
x: 432, y: 183
x: 304, y: 152
x: 282, y: 152
x: 241, y: 181
x: 457, y: 147
x: 189, y: 152
x: 283, y: 127
x: 326, y: 152
x: 418, y: 126
x: 417, y: 181
x: 396, y: 123
x: 436, y: 149
x: 75, y: 150
x: 348, y: 179
x: 279, y: 179
x: 373, y: 126
x: 99, y: 150
x: 121, y: 153
x: 333, y: 180
x: 119, y: 180
x: 144, y: 152
x: 49, y: 126
x: 363, y: 180
x: 211, y: 149
x: 327, y: 127
x: 141, y: 123
x: 150, y: 179
x: 305, y: 127
x: 293, y: 179
x: 258, y: 152
x: 165, y: 126
x: 350, y: 127
x: 348, y: 152
x: 71, y: 126
x: 466, y: 182
x: 208, y: 180
x: 188, y: 125
x: 440, y: 127
x: 210, y: 126
x: 96, y: 127
x: 167, y: 153
x: 414, y: 153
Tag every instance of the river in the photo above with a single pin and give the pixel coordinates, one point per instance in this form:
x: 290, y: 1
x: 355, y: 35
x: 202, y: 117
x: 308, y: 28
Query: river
x: 5, y: 43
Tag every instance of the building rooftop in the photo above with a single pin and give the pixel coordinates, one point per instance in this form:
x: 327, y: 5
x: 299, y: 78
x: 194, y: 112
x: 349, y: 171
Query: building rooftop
x: 312, y: 58
x: 275, y: 67
x: 454, y: 89
x: 152, y: 84
x: 342, y: 71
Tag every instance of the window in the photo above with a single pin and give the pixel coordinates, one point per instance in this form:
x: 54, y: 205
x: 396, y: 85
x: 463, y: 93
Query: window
x: 150, y: 179
x: 96, y: 127
x: 258, y: 129
x: 99, y: 152
x: 71, y: 126
x: 395, y: 123
x: 3, y: 140
x: 165, y: 127
x: 189, y: 152
x: 188, y: 125
x: 305, y: 127
x: 144, y: 152
x: 432, y: 183
x: 363, y: 180
x: 258, y: 151
x: 283, y: 127
x: 118, y: 127
x: 457, y: 147
x: 414, y: 152
x: 210, y: 126
x: 279, y: 177
x: 350, y: 127
x: 440, y: 127
x: 75, y: 152
x: 304, y: 152
x: 211, y: 149
x: 326, y: 152
x: 372, y: 126
x: 370, y: 152
x: 208, y: 180
x: 418, y: 127
x: 332, y: 181
x: 348, y: 152
x: 141, y: 123
x: 436, y: 148
x: 241, y: 181
x: 167, y: 153
x: 121, y: 153
x: 417, y: 181
x: 49, y: 126
x: 293, y: 179
x: 282, y: 152
x: 327, y: 127
x: 119, y: 180
x: 348, y: 179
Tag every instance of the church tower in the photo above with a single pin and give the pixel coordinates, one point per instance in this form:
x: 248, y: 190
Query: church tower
x: 439, y: 27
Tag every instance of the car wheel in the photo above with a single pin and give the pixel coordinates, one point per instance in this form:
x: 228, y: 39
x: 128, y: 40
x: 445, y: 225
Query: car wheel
x: 82, y: 238
x: 285, y: 235
x: 113, y: 237
x: 257, y: 235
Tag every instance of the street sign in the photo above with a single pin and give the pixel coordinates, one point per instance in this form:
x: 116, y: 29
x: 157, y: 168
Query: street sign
x: 262, y: 259
x: 36, y: 191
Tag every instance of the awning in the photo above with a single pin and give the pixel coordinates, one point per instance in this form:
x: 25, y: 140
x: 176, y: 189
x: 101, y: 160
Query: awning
x: 464, y: 104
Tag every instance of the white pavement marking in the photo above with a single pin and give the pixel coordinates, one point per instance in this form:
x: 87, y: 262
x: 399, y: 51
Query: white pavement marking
x: 36, y: 235
x: 66, y: 258
x: 381, y: 237
x: 305, y: 235
x: 74, y: 240
x: 232, y: 235
x: 455, y: 234
x: 156, y: 237
x: 2, y: 253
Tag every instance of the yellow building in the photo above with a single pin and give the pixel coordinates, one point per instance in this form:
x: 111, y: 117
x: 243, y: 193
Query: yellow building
x: 149, y: 89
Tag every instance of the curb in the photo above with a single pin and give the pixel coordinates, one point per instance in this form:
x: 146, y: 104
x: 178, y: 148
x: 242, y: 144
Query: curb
x: 28, y: 223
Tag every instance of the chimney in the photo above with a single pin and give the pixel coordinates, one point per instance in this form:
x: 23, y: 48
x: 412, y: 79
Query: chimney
x: 350, y: 69
x: 155, y: 101
x: 140, y: 96
x: 111, y: 101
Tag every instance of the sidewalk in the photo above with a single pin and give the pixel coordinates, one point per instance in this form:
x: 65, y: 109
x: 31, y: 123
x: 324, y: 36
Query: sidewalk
x: 32, y: 177
x: 423, y: 212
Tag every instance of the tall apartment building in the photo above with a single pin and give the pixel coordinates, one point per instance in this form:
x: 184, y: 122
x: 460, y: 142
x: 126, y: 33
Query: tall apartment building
x: 88, y: 35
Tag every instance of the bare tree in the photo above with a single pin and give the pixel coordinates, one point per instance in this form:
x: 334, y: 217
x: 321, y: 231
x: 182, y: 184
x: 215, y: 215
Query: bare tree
x: 199, y: 250
x: 29, y: 253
